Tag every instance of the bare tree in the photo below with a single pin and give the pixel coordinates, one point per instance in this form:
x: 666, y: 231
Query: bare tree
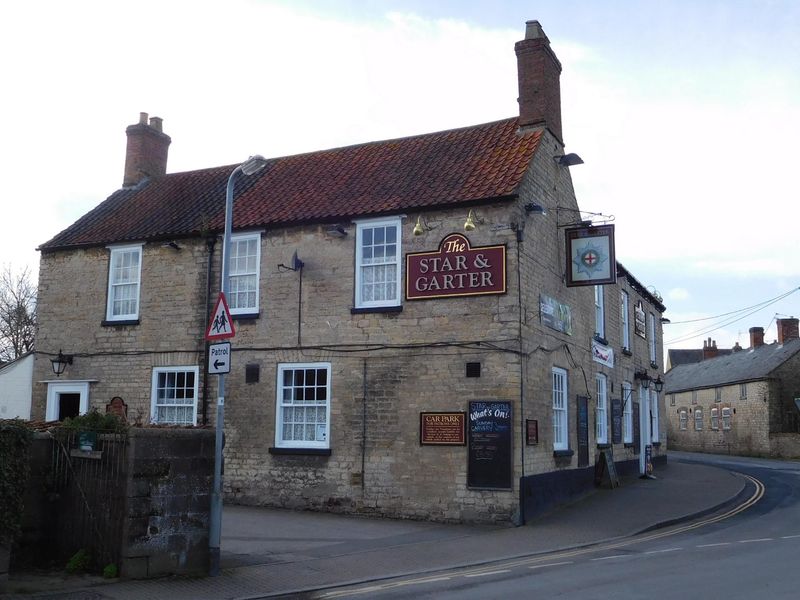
x: 17, y: 313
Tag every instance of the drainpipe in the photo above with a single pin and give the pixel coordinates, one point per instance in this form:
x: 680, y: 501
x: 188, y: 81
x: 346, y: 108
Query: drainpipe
x: 210, y: 244
x: 522, y: 370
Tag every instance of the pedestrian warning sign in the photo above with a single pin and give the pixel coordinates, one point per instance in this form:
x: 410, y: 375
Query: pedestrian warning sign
x: 221, y: 325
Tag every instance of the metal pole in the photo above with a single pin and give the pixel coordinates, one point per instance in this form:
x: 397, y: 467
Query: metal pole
x: 215, y: 525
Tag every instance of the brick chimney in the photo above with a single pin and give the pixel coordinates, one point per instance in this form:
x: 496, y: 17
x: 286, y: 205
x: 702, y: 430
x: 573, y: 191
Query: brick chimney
x: 709, y: 349
x: 788, y: 329
x: 146, y: 155
x: 538, y: 73
x: 756, y: 337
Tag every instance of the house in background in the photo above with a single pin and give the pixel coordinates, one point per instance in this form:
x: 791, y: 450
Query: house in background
x: 16, y: 388
x: 744, y: 403
x: 678, y: 356
x: 406, y: 344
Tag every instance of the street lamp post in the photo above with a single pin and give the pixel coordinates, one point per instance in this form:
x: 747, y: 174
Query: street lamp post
x: 252, y: 165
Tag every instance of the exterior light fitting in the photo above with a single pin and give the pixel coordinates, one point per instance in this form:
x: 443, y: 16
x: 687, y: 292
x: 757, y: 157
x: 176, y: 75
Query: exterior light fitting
x: 60, y: 363
x: 658, y: 384
x: 253, y: 164
x: 535, y: 209
x: 418, y: 229
x: 472, y: 218
x: 568, y: 160
x: 337, y: 231
x: 644, y: 378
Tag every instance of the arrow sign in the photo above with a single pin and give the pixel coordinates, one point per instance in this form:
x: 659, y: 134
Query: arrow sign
x: 220, y: 326
x: 219, y: 358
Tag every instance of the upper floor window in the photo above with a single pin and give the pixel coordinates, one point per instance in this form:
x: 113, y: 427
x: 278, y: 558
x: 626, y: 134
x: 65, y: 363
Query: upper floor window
x: 243, y: 269
x: 652, y: 338
x: 124, y: 277
x: 717, y: 394
x: 378, y: 263
x: 624, y: 310
x: 174, y: 395
x: 602, y: 408
x: 627, y: 413
x: 599, y: 312
x: 743, y: 391
x: 560, y: 410
x: 303, y: 405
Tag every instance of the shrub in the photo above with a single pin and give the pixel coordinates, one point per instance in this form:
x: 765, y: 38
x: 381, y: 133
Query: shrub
x: 15, y: 441
x: 79, y: 563
x: 96, y: 421
x: 110, y: 571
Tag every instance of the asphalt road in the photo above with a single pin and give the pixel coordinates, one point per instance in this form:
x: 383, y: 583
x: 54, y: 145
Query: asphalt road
x: 751, y: 553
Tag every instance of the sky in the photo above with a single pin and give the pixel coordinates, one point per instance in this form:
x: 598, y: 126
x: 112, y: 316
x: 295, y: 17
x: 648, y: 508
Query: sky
x: 686, y: 113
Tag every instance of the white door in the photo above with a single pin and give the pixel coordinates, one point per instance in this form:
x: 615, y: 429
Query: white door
x: 644, y: 428
x: 66, y: 399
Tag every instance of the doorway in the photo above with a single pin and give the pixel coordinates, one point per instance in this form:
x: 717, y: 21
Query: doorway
x: 67, y: 399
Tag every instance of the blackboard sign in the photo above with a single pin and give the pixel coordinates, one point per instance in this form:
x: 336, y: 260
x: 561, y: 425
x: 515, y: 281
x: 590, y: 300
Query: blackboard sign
x: 616, y: 420
x: 636, y: 440
x: 583, y: 431
x: 605, y: 471
x: 489, y: 456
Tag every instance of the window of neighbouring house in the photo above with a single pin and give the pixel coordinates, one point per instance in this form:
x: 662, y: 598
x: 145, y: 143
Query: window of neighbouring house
x: 672, y: 399
x: 560, y: 410
x: 652, y: 339
x: 244, y: 268
x: 698, y: 419
x: 627, y: 413
x: 624, y: 310
x: 726, y: 418
x: 124, y: 278
x: 694, y: 396
x: 684, y: 419
x: 601, y: 411
x: 715, y: 418
x: 174, y: 395
x: 717, y: 394
x: 743, y: 391
x: 378, y: 263
x: 303, y: 405
x: 655, y: 423
x: 599, y: 312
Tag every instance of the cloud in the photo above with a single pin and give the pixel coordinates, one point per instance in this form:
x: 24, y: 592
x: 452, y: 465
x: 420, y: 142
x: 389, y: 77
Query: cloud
x: 678, y: 294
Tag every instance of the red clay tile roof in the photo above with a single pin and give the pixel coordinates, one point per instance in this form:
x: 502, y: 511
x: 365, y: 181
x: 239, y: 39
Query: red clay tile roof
x: 472, y: 164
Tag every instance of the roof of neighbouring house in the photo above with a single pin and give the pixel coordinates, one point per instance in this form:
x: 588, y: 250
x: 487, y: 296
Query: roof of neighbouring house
x: 468, y: 165
x: 747, y: 365
x: 679, y: 356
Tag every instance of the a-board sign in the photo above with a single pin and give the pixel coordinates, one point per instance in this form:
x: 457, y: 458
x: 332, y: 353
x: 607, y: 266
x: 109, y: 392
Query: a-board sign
x: 442, y: 428
x: 583, y: 431
x: 489, y: 451
x: 605, y: 471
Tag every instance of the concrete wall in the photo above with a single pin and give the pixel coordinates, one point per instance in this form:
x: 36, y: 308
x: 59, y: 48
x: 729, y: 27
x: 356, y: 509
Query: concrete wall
x: 15, y: 389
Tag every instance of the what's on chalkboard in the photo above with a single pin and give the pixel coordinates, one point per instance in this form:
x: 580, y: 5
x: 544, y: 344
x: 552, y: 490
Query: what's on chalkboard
x: 489, y: 447
x: 605, y: 471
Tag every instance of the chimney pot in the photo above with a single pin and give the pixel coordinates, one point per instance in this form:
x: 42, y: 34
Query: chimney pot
x: 710, y: 349
x: 143, y: 118
x: 156, y: 123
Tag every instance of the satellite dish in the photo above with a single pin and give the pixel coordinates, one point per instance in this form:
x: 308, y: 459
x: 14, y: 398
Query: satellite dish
x: 297, y: 264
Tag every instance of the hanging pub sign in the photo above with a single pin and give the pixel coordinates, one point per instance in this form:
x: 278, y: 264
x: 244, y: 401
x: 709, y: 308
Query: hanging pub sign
x: 456, y: 269
x: 639, y: 327
x: 590, y: 255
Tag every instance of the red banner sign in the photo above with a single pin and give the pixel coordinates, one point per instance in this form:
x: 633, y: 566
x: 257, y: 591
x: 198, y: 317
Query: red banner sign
x: 456, y: 269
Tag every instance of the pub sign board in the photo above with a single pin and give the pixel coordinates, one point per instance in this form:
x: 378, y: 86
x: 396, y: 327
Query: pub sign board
x: 489, y: 451
x: 442, y: 428
x: 590, y: 255
x: 456, y: 269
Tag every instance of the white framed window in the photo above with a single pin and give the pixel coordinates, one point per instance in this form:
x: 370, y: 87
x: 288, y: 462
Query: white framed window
x: 560, y: 410
x: 624, y: 311
x: 124, y: 280
x: 726, y: 418
x: 652, y: 338
x: 698, y: 419
x: 684, y: 419
x: 627, y: 412
x: 599, y: 312
x: 654, y: 421
x: 378, y: 263
x: 715, y: 419
x: 601, y: 414
x: 243, y: 271
x: 303, y: 405
x: 173, y: 397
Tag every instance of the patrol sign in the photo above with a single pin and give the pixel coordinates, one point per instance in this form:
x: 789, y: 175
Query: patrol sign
x: 219, y: 358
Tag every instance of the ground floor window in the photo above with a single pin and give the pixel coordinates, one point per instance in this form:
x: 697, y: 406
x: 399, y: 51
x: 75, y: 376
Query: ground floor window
x: 601, y: 410
x: 715, y: 418
x: 560, y: 410
x: 303, y: 405
x: 698, y: 419
x: 627, y: 413
x: 174, y: 395
x: 684, y: 419
x: 726, y: 418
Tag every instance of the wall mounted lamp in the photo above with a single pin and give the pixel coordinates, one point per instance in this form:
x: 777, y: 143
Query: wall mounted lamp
x: 423, y: 226
x: 60, y: 363
x: 568, y: 160
x: 472, y: 218
x: 644, y: 378
x: 337, y: 231
x: 173, y: 244
x: 658, y: 384
x: 532, y: 208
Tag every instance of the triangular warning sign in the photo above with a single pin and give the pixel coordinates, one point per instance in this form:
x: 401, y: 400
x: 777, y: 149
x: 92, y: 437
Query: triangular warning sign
x: 221, y: 325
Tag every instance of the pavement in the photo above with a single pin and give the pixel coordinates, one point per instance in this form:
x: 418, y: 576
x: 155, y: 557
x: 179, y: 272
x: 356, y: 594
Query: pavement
x: 271, y: 553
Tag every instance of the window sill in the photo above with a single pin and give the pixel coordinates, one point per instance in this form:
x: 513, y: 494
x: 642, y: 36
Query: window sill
x: 629, y: 445
x: 563, y: 453
x: 627, y: 352
x: 301, y: 451
x: 246, y: 316
x: 656, y: 444
x: 604, y: 446
x: 600, y: 339
x: 120, y: 323
x: 376, y: 309
x: 654, y: 365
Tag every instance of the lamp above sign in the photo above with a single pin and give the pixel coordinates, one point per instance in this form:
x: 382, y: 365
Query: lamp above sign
x: 456, y: 269
x: 590, y: 256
